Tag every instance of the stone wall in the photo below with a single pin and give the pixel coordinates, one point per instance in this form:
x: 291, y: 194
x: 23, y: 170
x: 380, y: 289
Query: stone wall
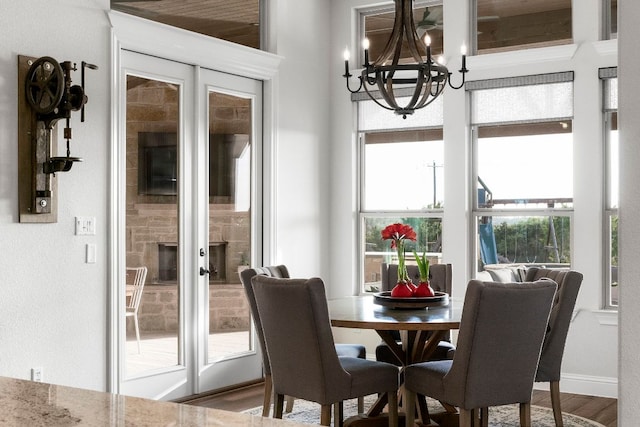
x: 151, y: 219
x: 228, y: 309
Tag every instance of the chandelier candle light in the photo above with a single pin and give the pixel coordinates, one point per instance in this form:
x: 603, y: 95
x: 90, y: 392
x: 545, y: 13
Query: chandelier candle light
x: 426, y: 78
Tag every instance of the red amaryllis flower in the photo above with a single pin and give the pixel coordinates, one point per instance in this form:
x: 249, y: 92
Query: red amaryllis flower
x: 398, y: 232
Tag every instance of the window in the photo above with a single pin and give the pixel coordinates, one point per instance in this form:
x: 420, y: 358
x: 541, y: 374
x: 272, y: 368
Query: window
x: 509, y: 25
x: 523, y: 169
x: 610, y: 245
x: 237, y: 22
x: 402, y: 180
x: 610, y: 15
x: 378, y: 24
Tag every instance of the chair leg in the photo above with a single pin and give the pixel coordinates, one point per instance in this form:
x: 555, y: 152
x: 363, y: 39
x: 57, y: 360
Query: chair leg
x: 555, y: 402
x: 338, y: 414
x: 135, y: 323
x: 289, y: 407
x: 475, y: 417
x: 325, y: 415
x: 484, y: 417
x: 268, y: 390
x: 525, y: 414
x: 278, y: 404
x: 466, y: 417
x: 410, y: 408
x: 361, y: 405
x: 393, y: 408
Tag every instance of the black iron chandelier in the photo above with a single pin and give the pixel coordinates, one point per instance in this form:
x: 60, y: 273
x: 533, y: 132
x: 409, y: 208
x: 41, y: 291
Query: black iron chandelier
x: 387, y: 75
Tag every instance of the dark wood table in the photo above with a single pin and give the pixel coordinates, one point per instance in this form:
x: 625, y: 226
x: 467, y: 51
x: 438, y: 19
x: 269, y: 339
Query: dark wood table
x: 420, y: 330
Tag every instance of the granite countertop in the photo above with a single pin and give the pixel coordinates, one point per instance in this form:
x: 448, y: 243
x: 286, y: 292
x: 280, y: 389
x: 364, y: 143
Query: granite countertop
x: 33, y: 404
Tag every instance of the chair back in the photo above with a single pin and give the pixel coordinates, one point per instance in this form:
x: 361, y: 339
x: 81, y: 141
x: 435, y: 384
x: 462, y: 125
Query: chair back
x: 136, y: 277
x: 279, y: 271
x: 569, y: 282
x: 298, y: 338
x: 501, y: 334
x: 439, y: 276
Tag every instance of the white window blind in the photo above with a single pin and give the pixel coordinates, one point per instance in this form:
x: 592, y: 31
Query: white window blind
x: 372, y: 117
x: 522, y: 99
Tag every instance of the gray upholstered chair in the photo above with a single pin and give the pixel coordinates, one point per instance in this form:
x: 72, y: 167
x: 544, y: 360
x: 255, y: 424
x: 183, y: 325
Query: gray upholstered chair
x: 553, y: 347
x: 501, y: 333
x: 303, y: 358
x: 440, y: 280
x: 281, y: 271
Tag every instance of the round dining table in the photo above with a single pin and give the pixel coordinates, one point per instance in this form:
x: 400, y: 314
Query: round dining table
x: 421, y: 329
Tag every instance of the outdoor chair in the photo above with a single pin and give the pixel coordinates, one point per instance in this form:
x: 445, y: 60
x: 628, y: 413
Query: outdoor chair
x: 135, y: 279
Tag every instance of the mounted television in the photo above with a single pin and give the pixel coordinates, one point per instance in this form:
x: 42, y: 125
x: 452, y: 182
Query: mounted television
x: 158, y: 164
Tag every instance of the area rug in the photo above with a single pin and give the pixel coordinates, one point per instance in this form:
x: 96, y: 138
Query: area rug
x: 501, y: 416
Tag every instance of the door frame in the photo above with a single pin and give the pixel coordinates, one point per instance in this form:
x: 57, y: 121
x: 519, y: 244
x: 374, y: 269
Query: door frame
x: 147, y: 37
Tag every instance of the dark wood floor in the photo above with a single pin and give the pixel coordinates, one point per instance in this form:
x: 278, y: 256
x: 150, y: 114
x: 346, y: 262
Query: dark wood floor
x: 600, y: 409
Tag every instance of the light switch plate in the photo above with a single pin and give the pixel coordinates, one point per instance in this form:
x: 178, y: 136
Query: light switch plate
x: 85, y: 226
x: 91, y: 253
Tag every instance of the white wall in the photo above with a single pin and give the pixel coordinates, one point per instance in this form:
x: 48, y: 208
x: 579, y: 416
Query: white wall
x: 53, y: 310
x: 588, y: 368
x: 302, y: 131
x: 629, y: 108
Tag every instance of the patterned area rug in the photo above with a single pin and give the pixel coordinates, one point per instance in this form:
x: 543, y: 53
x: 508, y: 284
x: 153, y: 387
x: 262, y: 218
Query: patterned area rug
x: 501, y: 416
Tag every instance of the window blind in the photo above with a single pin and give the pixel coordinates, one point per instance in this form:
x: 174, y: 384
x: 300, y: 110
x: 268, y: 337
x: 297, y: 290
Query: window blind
x: 522, y: 99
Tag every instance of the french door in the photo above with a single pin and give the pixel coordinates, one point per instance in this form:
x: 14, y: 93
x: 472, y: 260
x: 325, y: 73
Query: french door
x: 189, y: 150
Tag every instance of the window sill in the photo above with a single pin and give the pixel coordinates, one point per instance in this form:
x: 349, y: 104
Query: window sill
x: 606, y: 317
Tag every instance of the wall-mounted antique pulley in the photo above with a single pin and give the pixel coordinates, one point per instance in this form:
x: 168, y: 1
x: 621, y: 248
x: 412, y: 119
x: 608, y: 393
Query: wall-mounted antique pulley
x: 48, y: 95
x: 51, y: 95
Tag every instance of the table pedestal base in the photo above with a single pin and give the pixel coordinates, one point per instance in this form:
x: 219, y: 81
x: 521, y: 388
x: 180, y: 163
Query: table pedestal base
x: 440, y: 419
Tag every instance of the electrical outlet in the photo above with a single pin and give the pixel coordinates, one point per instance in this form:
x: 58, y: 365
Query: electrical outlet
x: 36, y: 374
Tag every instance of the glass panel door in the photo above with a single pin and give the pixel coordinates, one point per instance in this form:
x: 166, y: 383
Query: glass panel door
x: 189, y: 144
x: 232, y: 129
x: 154, y: 351
x: 152, y: 234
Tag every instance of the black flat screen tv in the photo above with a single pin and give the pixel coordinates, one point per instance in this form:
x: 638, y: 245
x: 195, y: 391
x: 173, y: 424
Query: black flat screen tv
x: 157, y: 163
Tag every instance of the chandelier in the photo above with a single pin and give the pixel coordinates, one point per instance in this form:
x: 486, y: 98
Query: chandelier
x: 425, y: 78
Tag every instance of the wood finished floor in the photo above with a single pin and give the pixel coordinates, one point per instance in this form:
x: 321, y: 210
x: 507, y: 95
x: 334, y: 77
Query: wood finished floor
x: 600, y: 409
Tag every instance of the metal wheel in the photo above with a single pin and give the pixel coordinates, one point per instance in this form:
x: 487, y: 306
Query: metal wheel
x: 44, y: 86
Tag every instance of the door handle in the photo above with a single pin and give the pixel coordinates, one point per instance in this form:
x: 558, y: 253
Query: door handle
x: 204, y: 271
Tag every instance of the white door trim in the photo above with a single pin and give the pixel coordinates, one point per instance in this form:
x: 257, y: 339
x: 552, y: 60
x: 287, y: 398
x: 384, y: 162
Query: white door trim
x: 143, y: 36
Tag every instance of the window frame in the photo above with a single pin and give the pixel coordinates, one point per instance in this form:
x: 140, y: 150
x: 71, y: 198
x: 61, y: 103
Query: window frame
x: 364, y: 214
x: 478, y: 212
x: 609, y: 212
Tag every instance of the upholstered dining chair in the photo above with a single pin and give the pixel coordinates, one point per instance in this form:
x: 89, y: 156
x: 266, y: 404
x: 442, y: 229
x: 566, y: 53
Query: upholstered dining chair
x: 499, y: 342
x: 281, y: 271
x: 303, y: 358
x: 569, y: 282
x: 135, y: 279
x: 440, y: 280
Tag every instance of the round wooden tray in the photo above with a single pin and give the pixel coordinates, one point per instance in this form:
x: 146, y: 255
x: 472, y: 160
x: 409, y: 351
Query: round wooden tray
x: 385, y: 299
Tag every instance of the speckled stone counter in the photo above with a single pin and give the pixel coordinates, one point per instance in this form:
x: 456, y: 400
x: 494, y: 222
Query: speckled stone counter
x: 31, y: 404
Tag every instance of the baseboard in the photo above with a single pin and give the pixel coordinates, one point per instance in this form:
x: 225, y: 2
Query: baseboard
x: 585, y: 384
